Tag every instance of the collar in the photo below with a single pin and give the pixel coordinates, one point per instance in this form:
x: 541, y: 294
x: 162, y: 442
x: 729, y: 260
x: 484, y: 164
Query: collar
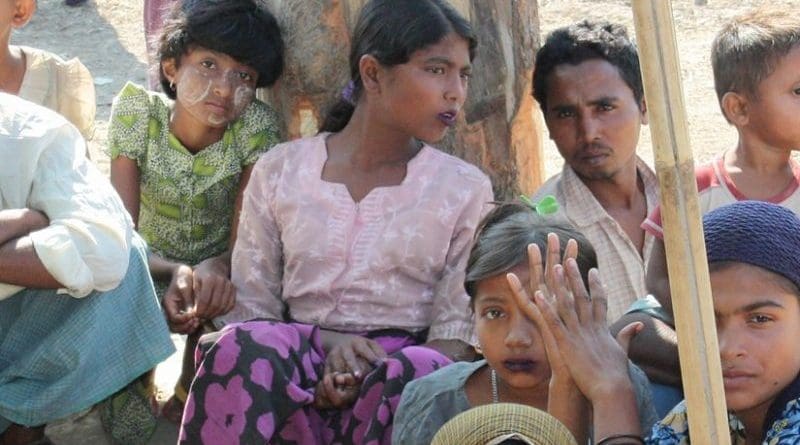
x: 778, y: 406
x: 580, y: 204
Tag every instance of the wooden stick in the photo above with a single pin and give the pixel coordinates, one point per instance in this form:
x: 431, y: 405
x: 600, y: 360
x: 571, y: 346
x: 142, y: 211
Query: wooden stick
x: 683, y: 231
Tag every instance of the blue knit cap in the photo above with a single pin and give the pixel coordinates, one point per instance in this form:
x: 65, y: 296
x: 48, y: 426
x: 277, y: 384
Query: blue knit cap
x: 755, y: 232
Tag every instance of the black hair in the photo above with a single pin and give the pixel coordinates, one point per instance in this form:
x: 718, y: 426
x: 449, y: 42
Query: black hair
x: 587, y: 40
x: 502, y: 238
x: 242, y: 29
x: 391, y: 31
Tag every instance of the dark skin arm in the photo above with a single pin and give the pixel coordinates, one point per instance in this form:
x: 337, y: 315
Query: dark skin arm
x: 19, y: 264
x: 655, y: 348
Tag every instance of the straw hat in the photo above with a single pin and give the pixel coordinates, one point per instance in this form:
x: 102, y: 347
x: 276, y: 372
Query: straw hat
x: 492, y: 424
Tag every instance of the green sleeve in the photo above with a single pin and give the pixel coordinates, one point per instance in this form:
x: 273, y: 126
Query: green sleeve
x: 130, y: 124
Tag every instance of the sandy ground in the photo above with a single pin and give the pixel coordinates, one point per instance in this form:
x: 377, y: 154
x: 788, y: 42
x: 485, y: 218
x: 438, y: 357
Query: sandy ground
x: 107, y: 36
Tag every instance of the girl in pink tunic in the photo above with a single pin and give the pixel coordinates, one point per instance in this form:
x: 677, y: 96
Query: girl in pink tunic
x: 350, y: 256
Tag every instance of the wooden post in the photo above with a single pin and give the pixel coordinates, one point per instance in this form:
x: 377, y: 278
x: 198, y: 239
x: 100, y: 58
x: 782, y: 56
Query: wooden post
x: 499, y: 128
x: 683, y: 233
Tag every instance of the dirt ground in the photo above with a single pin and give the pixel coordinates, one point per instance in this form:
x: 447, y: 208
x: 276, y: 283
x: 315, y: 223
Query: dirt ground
x: 107, y: 36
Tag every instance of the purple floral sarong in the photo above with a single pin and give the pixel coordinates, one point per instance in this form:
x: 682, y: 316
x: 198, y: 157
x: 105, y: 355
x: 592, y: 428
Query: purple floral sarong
x: 255, y: 384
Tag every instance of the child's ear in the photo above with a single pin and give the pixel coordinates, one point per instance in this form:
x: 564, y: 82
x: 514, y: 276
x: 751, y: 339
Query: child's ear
x: 370, y: 70
x: 734, y: 106
x: 23, y: 11
x: 643, y: 108
x: 170, y: 69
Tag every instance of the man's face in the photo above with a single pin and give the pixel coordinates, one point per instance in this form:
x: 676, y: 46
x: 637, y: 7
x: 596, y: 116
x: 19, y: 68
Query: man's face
x: 593, y: 118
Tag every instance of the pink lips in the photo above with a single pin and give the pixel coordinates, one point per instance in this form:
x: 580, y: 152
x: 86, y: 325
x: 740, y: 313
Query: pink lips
x: 448, y: 118
x: 216, y: 107
x: 735, y: 379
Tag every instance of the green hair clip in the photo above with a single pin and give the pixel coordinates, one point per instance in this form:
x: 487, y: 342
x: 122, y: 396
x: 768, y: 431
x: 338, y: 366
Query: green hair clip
x: 546, y: 206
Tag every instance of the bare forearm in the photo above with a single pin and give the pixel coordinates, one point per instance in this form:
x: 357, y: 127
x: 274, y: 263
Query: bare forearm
x: 15, y: 223
x: 568, y: 405
x: 615, y: 413
x: 160, y: 267
x: 654, y: 348
x: 20, y: 266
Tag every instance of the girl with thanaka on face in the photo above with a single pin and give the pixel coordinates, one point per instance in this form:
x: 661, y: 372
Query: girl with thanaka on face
x: 351, y: 250
x: 518, y: 367
x: 181, y: 160
x: 39, y: 76
x: 752, y: 250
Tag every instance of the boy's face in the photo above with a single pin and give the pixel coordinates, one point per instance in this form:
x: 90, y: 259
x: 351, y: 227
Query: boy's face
x: 774, y: 114
x: 758, y: 324
x: 510, y: 341
x: 593, y: 118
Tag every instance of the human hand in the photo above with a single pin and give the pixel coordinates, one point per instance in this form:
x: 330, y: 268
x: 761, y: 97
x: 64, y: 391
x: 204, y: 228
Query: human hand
x: 214, y: 294
x: 179, y: 302
x: 351, y: 354
x: 336, y: 391
x: 542, y: 278
x: 576, y: 320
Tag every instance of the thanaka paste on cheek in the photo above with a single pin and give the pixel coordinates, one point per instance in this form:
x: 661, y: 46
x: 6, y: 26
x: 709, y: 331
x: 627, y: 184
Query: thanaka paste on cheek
x: 196, y: 87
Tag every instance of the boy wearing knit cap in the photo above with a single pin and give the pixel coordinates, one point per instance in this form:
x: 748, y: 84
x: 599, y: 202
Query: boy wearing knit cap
x: 753, y: 252
x: 756, y: 64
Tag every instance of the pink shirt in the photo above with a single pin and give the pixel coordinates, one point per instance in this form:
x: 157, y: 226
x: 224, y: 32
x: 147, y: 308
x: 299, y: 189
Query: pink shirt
x: 396, y: 259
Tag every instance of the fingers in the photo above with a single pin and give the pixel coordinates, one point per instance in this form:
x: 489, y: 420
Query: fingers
x: 571, y: 251
x: 582, y: 299
x: 553, y: 259
x: 183, y: 280
x: 370, y: 351
x: 523, y: 299
x: 626, y: 334
x: 598, y: 293
x: 215, y: 295
x: 535, y: 267
x: 335, y: 362
x: 565, y: 302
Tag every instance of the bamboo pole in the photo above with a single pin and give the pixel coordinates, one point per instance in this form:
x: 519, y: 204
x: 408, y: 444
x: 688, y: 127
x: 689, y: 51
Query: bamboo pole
x: 683, y: 233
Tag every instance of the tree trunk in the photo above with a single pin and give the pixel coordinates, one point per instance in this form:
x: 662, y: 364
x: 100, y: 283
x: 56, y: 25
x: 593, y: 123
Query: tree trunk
x: 500, y: 130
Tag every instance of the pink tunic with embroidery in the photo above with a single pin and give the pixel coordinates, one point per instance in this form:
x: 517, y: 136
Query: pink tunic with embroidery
x: 395, y: 259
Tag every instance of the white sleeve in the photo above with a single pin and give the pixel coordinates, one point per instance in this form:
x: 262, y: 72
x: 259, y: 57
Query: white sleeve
x: 87, y: 243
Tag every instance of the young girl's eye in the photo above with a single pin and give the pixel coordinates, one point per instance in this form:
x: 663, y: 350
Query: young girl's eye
x: 797, y: 91
x: 209, y: 64
x: 245, y: 76
x: 492, y: 314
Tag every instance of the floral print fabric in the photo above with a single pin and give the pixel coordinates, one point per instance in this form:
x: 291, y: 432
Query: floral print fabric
x: 255, y: 384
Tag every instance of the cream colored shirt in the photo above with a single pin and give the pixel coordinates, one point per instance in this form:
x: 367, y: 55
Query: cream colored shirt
x: 621, y: 266
x: 65, y: 86
x: 43, y: 167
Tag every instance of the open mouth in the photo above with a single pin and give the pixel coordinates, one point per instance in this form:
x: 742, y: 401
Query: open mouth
x: 448, y: 118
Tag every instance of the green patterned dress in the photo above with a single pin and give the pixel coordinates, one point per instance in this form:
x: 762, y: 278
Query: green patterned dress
x: 186, y: 199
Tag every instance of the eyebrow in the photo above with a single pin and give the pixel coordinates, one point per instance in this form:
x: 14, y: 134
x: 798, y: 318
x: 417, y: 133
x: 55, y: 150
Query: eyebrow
x: 594, y: 102
x: 446, y: 61
x: 755, y: 306
x: 490, y: 299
